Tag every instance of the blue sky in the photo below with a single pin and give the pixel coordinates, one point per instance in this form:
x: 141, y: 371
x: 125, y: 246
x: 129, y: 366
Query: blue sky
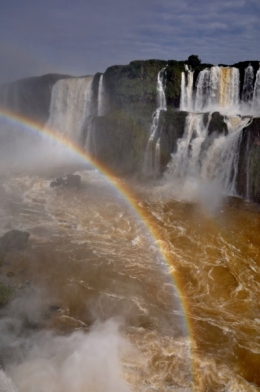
x: 81, y: 37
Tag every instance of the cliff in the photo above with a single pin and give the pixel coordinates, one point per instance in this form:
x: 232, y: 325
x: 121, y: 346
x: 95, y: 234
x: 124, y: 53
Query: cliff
x: 248, y: 180
x: 30, y: 97
x: 120, y: 134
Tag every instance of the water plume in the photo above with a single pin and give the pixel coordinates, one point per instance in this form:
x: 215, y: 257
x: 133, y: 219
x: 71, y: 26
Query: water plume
x: 78, y: 362
x: 44, y: 361
x: 25, y: 151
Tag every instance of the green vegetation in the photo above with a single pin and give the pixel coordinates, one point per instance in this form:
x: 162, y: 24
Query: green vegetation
x: 5, y: 294
x: 133, y: 84
x: 193, y: 60
x: 173, y: 82
x: 120, y: 140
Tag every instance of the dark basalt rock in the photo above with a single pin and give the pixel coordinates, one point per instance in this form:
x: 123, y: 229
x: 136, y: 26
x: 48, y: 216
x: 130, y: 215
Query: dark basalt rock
x: 13, y: 239
x: 172, y: 124
x: 119, y: 141
x: 248, y: 179
x: 217, y: 124
x: 71, y: 181
x: 58, y: 182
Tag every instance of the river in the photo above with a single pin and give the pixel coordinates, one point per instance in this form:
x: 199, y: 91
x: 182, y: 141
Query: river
x: 163, y: 296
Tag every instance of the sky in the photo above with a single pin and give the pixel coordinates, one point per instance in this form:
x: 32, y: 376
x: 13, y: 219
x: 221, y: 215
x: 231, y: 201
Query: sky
x: 82, y: 37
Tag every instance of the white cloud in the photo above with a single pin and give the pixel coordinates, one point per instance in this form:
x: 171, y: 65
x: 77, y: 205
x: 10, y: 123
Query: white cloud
x: 83, y: 37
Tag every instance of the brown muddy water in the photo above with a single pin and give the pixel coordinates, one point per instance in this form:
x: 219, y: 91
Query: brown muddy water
x: 98, y: 308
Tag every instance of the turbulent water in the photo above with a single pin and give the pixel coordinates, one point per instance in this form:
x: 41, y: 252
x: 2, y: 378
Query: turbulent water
x: 91, y: 258
x: 91, y: 267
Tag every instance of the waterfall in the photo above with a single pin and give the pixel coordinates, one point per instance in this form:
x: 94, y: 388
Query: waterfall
x: 212, y: 157
x: 208, y: 157
x: 248, y: 85
x: 151, y: 163
x: 70, y: 107
x: 256, y: 93
x: 247, y: 166
x: 157, y: 157
x: 186, y: 90
x: 99, y: 110
x: 185, y: 162
x: 221, y: 164
x: 101, y: 97
x: 90, y: 143
x: 217, y: 89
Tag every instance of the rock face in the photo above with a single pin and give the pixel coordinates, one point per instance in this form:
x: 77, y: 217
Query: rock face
x: 248, y: 182
x: 122, y: 133
x: 13, y: 239
x: 172, y: 124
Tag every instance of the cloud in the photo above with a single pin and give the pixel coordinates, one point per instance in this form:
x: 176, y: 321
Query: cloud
x: 83, y: 37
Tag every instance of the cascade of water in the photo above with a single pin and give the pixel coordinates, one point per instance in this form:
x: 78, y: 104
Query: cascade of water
x: 101, y: 97
x: 221, y: 163
x: 213, y: 157
x: 248, y: 86
x: 151, y: 159
x: 90, y: 143
x: 229, y: 88
x: 207, y: 157
x: 157, y: 156
x: 202, y: 90
x: 186, y: 100
x: 247, y: 166
x: 186, y: 161
x: 217, y: 89
x: 183, y: 98
x: 70, y: 106
x: 256, y: 94
x: 149, y: 166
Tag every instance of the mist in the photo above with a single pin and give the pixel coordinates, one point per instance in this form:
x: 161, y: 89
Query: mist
x: 41, y: 360
x: 25, y: 150
x: 207, y: 194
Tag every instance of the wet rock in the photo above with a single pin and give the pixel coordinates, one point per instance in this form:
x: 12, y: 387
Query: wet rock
x: 14, y: 239
x: 71, y: 181
x: 58, y: 182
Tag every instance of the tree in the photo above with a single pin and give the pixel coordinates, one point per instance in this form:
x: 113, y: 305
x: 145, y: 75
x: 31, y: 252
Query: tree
x: 194, y: 60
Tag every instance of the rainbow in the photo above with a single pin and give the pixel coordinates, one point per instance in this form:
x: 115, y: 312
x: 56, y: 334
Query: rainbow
x: 129, y: 196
